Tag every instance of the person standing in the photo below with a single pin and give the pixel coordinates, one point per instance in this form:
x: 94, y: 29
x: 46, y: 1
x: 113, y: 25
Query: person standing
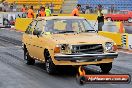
x: 75, y: 12
x: 24, y: 10
x: 30, y: 12
x: 112, y: 8
x: 52, y: 7
x: 48, y: 11
x: 11, y: 7
x: 100, y: 22
x: 14, y: 7
x: 42, y: 12
x: 100, y: 18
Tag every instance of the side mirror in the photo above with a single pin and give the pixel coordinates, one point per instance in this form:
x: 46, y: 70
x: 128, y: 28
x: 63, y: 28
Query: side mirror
x: 36, y: 32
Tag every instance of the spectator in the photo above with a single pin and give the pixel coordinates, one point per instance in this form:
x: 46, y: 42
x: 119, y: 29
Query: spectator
x: 100, y: 22
x: 48, y: 11
x: 112, y: 8
x: 42, y: 12
x: 38, y: 11
x: 75, y: 12
x: 99, y: 8
x: 61, y: 10
x: 30, y: 12
x: 46, y: 5
x: 24, y: 9
x: 14, y: 7
x: 83, y: 10
x: 5, y: 6
x: 87, y: 9
x: 1, y: 6
x: 52, y: 7
x: 11, y: 7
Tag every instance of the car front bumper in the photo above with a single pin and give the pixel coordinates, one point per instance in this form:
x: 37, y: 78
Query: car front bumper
x: 84, y: 57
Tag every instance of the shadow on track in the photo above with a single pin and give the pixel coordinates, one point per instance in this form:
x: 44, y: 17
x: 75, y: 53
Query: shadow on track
x: 70, y: 71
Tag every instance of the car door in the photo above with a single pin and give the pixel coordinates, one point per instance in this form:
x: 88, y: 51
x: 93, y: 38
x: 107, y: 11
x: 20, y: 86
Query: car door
x: 38, y: 40
x: 29, y: 37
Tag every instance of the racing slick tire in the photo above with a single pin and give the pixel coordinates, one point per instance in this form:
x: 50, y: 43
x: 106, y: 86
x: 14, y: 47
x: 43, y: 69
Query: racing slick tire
x: 49, y: 65
x: 106, y: 67
x: 28, y: 59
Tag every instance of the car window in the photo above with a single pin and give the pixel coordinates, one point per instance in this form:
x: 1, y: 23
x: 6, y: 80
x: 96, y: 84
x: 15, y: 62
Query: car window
x: 39, y: 27
x: 31, y: 27
x: 67, y: 25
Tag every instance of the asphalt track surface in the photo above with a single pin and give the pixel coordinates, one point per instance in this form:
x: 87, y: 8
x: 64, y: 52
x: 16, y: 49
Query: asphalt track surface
x: 14, y: 73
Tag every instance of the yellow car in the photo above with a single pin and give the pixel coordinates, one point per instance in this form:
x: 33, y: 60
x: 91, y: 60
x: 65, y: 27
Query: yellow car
x: 67, y: 41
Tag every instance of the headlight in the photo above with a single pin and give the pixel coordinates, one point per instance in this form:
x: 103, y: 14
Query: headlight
x: 109, y: 46
x: 62, y: 48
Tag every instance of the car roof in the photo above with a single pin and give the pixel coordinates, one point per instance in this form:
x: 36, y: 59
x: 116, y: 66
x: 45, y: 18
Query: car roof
x: 59, y: 17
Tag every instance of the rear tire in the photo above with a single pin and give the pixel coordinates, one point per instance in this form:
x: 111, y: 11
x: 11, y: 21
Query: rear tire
x: 28, y: 59
x: 106, y: 67
x: 49, y: 65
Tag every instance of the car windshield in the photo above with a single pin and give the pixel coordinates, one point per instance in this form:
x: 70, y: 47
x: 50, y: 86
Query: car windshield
x: 68, y: 26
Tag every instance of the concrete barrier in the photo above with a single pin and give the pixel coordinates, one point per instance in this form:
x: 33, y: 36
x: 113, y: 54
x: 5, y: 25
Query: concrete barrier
x: 8, y: 18
x: 130, y: 42
x: 21, y: 24
x: 127, y: 41
x: 116, y: 37
x: 113, y: 27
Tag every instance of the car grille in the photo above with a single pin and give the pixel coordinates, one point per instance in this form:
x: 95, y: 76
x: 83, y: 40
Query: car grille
x: 88, y: 49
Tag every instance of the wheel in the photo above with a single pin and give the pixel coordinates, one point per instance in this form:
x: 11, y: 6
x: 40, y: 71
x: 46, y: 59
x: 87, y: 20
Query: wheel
x: 130, y: 20
x: 109, y: 19
x: 28, y: 59
x: 49, y: 65
x: 81, y: 80
x: 106, y: 67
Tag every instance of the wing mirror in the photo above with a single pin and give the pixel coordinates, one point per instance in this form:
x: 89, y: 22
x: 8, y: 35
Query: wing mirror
x: 36, y: 32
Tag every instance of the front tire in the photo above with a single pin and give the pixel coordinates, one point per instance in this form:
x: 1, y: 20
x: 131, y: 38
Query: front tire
x: 106, y: 67
x: 28, y: 59
x: 49, y: 65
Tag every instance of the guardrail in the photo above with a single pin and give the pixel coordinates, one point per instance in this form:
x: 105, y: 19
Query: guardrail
x: 127, y: 41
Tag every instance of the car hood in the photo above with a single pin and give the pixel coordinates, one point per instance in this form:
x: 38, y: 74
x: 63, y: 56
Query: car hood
x: 81, y: 38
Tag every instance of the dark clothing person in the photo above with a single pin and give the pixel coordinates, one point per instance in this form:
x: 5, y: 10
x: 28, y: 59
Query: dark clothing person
x: 100, y: 19
x: 52, y: 7
x: 100, y: 22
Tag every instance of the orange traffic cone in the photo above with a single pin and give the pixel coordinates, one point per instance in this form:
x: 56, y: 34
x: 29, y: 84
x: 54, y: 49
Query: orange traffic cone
x: 121, y: 30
